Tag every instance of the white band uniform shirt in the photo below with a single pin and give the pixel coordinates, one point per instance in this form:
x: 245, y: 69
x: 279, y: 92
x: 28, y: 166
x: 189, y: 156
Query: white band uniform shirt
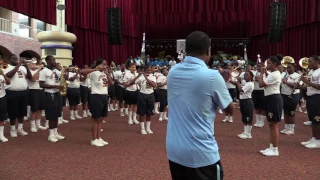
x: 86, y: 82
x: 50, y: 77
x: 233, y: 77
x: 34, y: 85
x: 2, y: 87
x: 127, y: 78
x: 76, y: 82
x: 99, y: 83
x: 314, y: 77
x: 18, y: 80
x: 256, y: 83
x: 247, y: 90
x: 119, y: 75
x: 291, y: 78
x: 162, y: 79
x: 273, y: 81
x: 145, y: 88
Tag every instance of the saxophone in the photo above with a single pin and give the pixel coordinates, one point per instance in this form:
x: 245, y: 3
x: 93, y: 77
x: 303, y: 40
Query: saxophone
x: 63, y: 82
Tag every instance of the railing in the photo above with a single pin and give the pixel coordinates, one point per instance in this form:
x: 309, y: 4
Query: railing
x: 5, y: 25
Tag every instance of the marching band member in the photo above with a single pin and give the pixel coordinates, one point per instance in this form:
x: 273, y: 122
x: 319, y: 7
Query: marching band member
x: 313, y: 101
x: 274, y: 103
x: 98, y: 105
x: 231, y: 85
x: 154, y: 70
x: 246, y: 104
x: 111, y: 92
x: 258, y: 98
x: 73, y: 92
x: 120, y: 91
x: 3, y: 104
x: 63, y: 99
x: 50, y: 81
x: 162, y: 94
x: 290, y: 98
x: 17, y: 94
x: 147, y: 83
x: 84, y: 93
x: 36, y: 95
x: 131, y: 93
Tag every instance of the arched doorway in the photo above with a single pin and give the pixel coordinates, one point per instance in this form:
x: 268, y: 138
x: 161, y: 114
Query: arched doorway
x: 4, y: 54
x: 28, y: 54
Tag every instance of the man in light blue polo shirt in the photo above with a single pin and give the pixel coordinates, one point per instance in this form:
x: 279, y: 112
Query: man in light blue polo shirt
x: 194, y: 94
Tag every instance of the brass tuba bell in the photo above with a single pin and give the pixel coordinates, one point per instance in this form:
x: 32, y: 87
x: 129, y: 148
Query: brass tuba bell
x: 4, y: 66
x: 287, y: 60
x: 304, y: 63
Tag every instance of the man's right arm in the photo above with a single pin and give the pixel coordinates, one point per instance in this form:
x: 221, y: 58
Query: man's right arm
x: 221, y: 95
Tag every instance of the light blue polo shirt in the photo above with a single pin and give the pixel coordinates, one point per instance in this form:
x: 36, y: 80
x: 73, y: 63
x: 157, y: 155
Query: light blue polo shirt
x: 194, y: 93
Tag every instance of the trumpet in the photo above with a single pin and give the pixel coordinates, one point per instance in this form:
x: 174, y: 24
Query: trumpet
x: 287, y: 60
x: 74, y: 69
x: 4, y: 66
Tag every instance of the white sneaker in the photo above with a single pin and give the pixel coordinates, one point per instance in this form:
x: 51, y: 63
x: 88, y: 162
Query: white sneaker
x: 64, y: 121
x: 103, y: 141
x: 89, y: 113
x: 243, y: 135
x: 230, y: 120
x: 149, y: 131
x: 78, y: 117
x: 156, y: 111
x: 271, y: 152
x: 263, y: 151
x: 43, y: 114
x: 307, y: 123
x: 33, y: 128
x: 289, y: 132
x: 143, y: 132
x: 308, y: 142
x: 121, y: 113
x: 220, y: 111
x: 21, y: 132
x: 160, y: 118
x: 96, y: 143
x: 300, y: 109
x: 256, y: 124
x: 3, y: 139
x: 130, y: 121
x: 13, y: 133
x: 225, y: 120
x: 85, y: 115
x: 315, y: 144
x: 165, y: 118
x: 25, y: 118
x: 284, y: 131
x: 41, y: 127
x: 59, y: 136
x: 46, y: 125
x: 135, y: 121
x: 72, y: 118
x: 52, y: 139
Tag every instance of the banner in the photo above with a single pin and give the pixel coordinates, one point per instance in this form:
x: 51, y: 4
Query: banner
x: 181, y: 45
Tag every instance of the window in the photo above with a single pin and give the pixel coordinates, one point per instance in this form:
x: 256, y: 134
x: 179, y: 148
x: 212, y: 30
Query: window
x: 50, y: 52
x: 41, y: 25
x: 24, y: 24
